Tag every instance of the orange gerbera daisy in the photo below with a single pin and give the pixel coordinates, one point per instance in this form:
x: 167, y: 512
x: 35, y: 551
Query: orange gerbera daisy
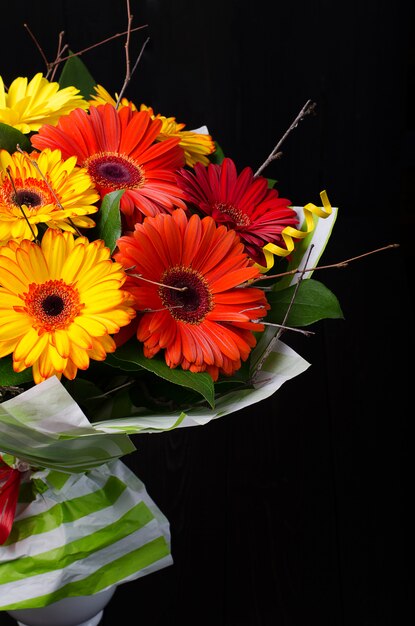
x: 197, y: 144
x: 119, y: 150
x: 192, y: 302
x: 243, y: 202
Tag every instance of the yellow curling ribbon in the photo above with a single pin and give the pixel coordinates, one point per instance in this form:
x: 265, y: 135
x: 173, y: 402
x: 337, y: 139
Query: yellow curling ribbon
x: 289, y: 233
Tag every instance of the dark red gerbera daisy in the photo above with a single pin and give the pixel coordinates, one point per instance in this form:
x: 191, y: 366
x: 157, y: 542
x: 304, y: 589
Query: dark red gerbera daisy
x: 242, y: 202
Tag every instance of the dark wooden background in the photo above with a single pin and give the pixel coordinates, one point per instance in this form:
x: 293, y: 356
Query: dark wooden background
x: 294, y: 512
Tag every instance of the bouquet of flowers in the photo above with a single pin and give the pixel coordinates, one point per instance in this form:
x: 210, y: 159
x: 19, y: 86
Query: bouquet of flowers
x: 145, y: 284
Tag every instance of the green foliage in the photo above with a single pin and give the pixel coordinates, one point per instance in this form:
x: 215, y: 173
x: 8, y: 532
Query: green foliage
x: 9, y: 378
x: 10, y: 138
x: 108, y: 219
x: 129, y: 357
x: 313, y: 302
x: 76, y: 74
x: 218, y: 156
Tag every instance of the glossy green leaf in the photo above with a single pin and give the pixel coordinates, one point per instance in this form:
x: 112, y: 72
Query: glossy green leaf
x: 76, y: 74
x: 8, y: 377
x: 313, y: 301
x: 10, y: 138
x: 130, y: 356
x: 109, y: 219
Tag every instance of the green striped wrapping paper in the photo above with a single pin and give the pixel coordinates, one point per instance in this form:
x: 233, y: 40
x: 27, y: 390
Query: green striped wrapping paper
x: 78, y: 534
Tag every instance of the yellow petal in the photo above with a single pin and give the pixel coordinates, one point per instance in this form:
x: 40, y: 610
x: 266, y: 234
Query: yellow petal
x: 6, y: 347
x: 80, y: 358
x: 70, y: 370
x: 79, y: 337
x: 14, y: 328
x: 11, y: 277
x: 30, y: 347
x: 60, y: 340
x: 58, y: 362
x: 73, y: 264
x: 94, y: 327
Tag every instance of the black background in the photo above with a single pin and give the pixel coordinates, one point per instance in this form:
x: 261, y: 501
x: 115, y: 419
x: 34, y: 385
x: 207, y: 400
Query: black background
x: 295, y: 511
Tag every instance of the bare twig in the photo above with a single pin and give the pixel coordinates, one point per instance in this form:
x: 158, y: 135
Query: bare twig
x: 127, y: 53
x: 61, y: 49
x: 276, y: 337
x: 51, y: 66
x: 128, y: 71
x: 154, y: 282
x: 38, y: 46
x: 340, y: 264
x: 291, y: 328
x: 125, y: 85
x: 95, y: 45
x: 308, y: 108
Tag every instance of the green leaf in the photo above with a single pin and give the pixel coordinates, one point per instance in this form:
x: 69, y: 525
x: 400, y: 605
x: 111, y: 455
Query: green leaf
x: 11, y: 137
x: 130, y: 356
x: 109, y: 219
x: 83, y: 390
x: 313, y: 302
x: 217, y: 156
x: 8, y: 377
x: 76, y: 74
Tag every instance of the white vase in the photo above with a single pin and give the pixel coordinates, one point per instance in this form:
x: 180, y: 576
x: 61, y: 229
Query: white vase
x: 74, y: 611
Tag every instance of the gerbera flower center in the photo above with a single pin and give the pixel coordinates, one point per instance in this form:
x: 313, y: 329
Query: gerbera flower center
x: 238, y: 217
x: 192, y: 299
x: 118, y: 171
x: 53, y: 305
x: 32, y: 193
x: 27, y: 197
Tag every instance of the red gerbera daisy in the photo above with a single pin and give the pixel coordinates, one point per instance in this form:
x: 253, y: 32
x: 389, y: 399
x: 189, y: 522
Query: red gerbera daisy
x: 120, y: 151
x: 244, y: 203
x: 190, y: 294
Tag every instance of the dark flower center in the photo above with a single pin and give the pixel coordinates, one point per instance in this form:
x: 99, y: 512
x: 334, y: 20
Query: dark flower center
x: 116, y: 172
x: 232, y: 214
x: 110, y: 169
x: 186, y: 294
x: 53, y: 305
x: 29, y: 192
x: 27, y: 197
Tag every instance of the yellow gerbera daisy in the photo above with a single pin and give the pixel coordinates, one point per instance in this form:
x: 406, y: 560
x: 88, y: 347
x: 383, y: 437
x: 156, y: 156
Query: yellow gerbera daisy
x: 102, y: 96
x: 55, y: 192
x: 59, y: 303
x: 29, y: 105
x: 196, y: 145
